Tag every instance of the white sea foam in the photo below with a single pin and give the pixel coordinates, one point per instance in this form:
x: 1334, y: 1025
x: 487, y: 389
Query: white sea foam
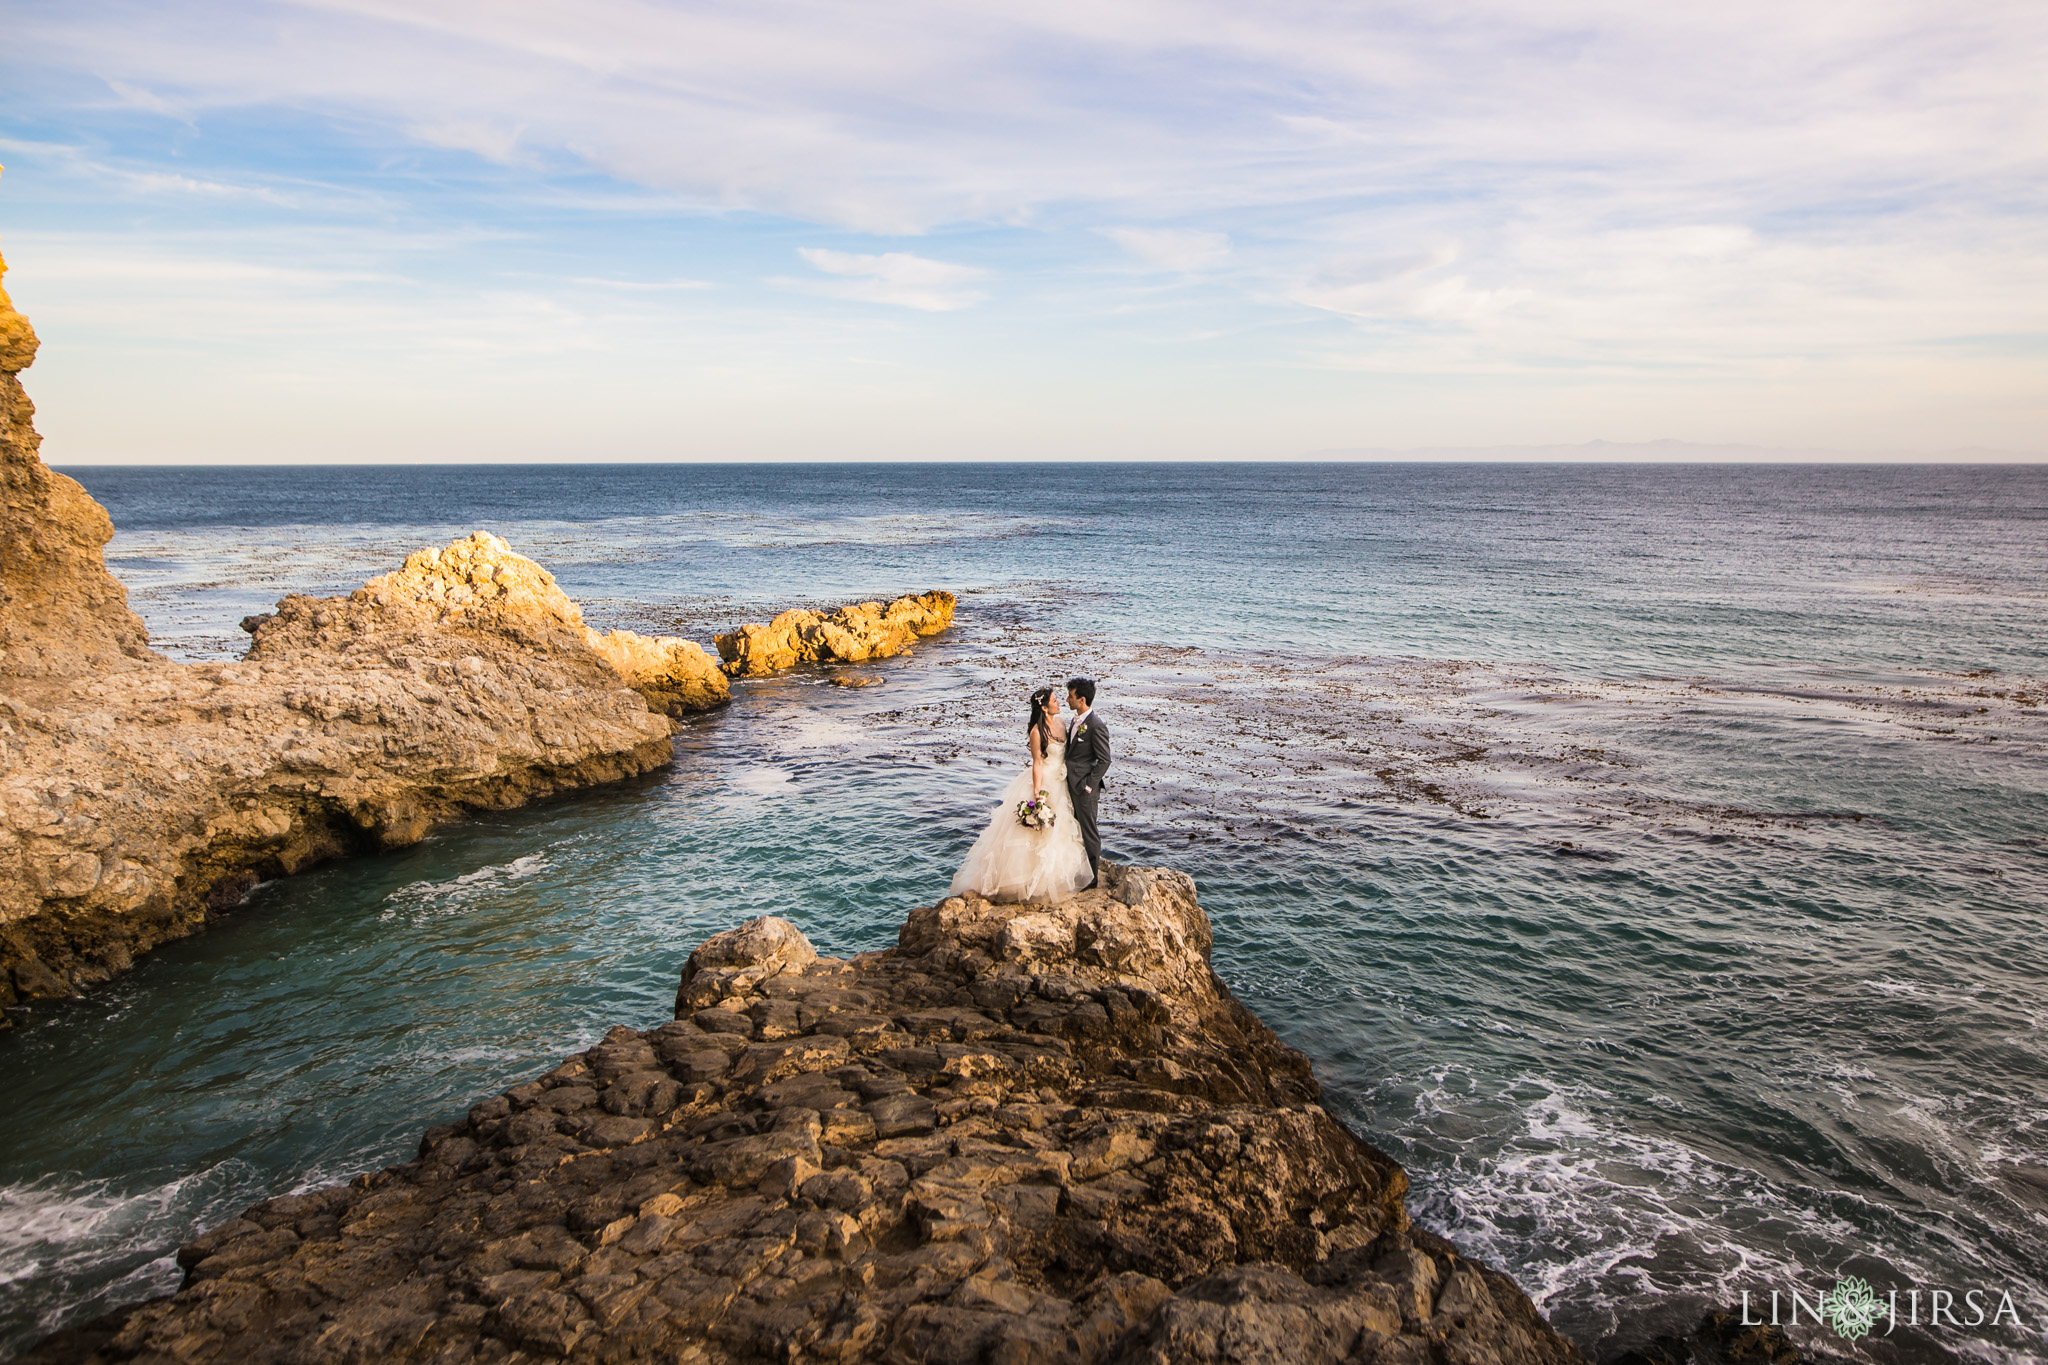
x: 1573, y: 1199
x: 819, y: 732
x: 458, y: 893
x: 1590, y: 1216
x: 756, y: 531
x: 58, y: 1236
x: 764, y: 781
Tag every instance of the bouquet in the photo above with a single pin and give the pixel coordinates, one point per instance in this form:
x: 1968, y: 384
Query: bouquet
x: 1037, y: 813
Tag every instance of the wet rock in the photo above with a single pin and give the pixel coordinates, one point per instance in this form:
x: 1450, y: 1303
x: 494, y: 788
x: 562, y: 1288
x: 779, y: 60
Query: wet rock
x: 33, y: 981
x: 963, y: 1185
x: 1721, y: 1338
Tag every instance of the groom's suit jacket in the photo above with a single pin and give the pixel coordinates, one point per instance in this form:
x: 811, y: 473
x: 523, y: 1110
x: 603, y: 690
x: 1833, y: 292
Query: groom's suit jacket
x: 1087, y: 754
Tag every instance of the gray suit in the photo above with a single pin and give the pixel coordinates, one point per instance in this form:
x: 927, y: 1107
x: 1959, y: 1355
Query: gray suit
x: 1087, y: 761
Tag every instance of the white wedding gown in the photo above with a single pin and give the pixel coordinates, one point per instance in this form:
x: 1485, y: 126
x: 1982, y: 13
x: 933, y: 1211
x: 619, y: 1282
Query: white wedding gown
x: 1011, y: 862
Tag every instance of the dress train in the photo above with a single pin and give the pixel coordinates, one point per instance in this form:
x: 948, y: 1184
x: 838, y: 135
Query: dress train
x: 1012, y: 862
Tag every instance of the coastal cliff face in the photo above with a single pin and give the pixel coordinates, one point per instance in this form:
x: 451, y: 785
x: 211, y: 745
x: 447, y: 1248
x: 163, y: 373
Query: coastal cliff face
x: 1024, y: 1134
x: 853, y: 634
x: 138, y: 796
x: 135, y: 802
x: 61, y: 612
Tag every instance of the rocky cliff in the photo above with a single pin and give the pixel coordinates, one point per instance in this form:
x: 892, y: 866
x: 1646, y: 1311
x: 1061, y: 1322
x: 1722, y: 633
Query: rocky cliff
x: 137, y: 800
x: 61, y: 612
x: 137, y: 796
x: 853, y: 634
x: 1023, y: 1134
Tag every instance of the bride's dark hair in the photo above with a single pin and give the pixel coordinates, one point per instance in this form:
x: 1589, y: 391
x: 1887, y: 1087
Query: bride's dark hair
x: 1038, y: 720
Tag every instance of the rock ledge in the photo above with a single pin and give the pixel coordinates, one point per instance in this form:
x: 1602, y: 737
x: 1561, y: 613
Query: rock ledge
x: 139, y: 796
x: 1045, y: 1134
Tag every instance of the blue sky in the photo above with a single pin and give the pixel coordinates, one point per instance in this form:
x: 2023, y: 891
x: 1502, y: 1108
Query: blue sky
x: 488, y: 229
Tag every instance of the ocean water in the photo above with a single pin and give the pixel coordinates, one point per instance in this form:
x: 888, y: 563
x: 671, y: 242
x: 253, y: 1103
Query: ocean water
x: 1654, y: 859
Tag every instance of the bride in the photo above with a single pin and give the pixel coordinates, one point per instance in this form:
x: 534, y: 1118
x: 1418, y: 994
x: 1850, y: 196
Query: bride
x: 1013, y: 861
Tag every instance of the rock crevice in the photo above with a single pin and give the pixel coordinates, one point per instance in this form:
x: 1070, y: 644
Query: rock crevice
x: 1022, y: 1135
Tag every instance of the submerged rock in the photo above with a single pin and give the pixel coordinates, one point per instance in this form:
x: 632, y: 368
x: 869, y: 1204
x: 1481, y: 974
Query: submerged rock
x: 1045, y: 1134
x: 139, y: 796
x: 865, y: 630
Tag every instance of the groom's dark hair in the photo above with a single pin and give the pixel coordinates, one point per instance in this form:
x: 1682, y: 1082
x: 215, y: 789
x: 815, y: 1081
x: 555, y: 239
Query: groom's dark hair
x: 1083, y: 688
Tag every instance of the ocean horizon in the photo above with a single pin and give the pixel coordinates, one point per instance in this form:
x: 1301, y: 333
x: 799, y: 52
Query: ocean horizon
x: 1666, y: 451
x: 1649, y: 856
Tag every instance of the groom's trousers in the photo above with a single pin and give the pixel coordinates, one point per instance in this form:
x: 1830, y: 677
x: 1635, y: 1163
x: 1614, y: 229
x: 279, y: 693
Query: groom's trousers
x: 1091, y: 837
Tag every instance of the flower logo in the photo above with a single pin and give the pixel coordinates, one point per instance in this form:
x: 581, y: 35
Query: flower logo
x: 1851, y: 1307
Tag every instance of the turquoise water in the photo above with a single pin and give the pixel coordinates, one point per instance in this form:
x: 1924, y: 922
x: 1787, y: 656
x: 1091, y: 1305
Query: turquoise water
x: 1652, y: 858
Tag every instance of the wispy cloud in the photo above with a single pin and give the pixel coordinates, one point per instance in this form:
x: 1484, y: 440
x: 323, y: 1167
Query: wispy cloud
x: 1745, y: 208
x: 146, y: 99
x: 932, y: 113
x: 896, y: 277
x: 1417, y: 288
x: 1182, y: 249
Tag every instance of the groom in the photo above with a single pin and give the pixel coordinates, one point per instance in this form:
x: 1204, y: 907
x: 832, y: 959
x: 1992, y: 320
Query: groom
x: 1087, y: 761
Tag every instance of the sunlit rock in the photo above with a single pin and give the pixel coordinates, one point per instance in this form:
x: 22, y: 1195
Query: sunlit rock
x: 865, y: 630
x: 61, y: 613
x: 139, y: 796
x: 1038, y: 1135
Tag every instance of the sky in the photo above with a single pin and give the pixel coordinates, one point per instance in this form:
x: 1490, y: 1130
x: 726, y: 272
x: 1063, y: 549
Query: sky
x: 490, y: 230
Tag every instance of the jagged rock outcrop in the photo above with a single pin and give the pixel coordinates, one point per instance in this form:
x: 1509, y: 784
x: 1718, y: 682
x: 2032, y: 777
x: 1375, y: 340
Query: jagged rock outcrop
x: 1022, y: 1135
x: 478, y: 583
x: 865, y: 630
x: 136, y: 802
x: 674, y: 675
x: 138, y: 796
x: 61, y: 612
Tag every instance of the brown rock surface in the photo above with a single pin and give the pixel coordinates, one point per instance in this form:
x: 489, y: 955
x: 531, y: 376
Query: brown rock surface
x: 135, y: 802
x: 1036, y: 1135
x: 674, y: 675
x: 865, y: 630
x: 478, y: 583
x: 137, y: 795
x: 61, y: 612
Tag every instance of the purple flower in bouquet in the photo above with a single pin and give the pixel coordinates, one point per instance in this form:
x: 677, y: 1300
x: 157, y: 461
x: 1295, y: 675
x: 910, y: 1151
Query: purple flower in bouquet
x: 1037, y: 813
